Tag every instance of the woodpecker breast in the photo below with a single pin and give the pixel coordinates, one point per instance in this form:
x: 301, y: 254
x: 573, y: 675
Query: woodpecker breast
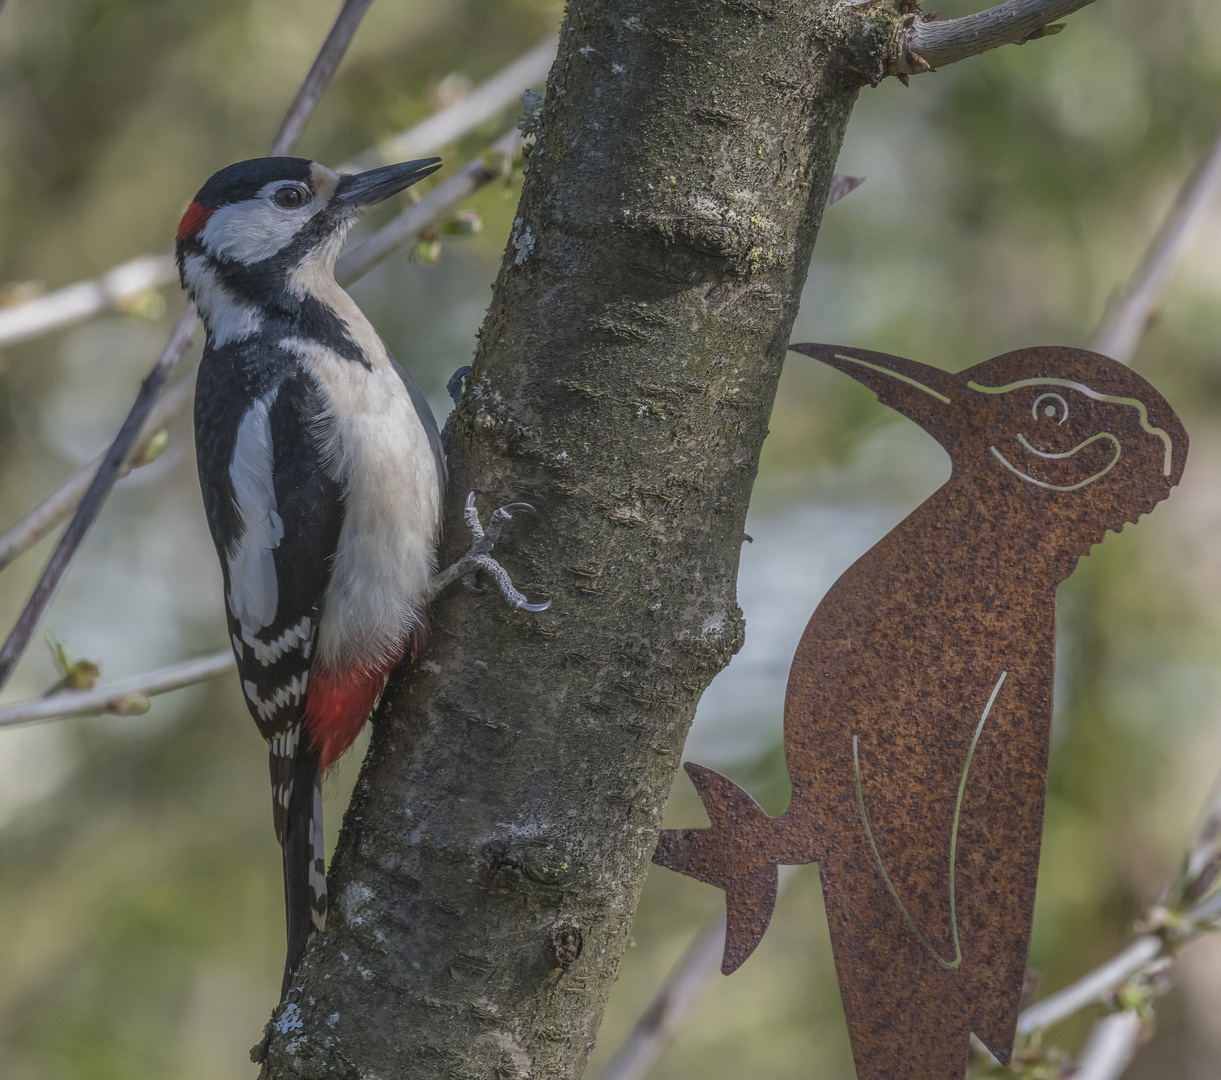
x: 378, y: 450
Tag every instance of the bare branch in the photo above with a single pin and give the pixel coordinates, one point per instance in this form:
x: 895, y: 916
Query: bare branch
x: 925, y: 46
x: 482, y: 103
x: 406, y: 227
x: 125, y: 698
x: 1097, y: 986
x: 60, y: 504
x: 81, y: 301
x: 319, y: 76
x: 653, y: 1033
x: 1124, y: 325
x: 1101, y: 984
x: 19, y: 637
x: 658, y: 1025
x: 75, y: 303
x: 95, y: 495
x: 1110, y: 1047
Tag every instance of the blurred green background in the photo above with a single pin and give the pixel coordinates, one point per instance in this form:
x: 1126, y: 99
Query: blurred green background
x: 1008, y: 197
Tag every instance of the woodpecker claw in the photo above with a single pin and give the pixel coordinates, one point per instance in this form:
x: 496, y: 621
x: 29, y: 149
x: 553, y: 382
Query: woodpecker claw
x: 478, y: 557
x: 454, y: 386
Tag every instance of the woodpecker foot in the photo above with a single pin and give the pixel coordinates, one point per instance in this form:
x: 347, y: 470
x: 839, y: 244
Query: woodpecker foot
x: 479, y: 557
x: 454, y: 386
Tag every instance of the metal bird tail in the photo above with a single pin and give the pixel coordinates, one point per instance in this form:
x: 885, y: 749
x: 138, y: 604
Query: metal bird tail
x: 738, y: 854
x: 304, y: 861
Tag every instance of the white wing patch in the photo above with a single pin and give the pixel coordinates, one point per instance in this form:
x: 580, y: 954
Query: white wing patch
x: 253, y: 591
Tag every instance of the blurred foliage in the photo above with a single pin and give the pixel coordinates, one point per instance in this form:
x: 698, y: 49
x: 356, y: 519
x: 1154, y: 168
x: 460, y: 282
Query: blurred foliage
x: 1008, y: 198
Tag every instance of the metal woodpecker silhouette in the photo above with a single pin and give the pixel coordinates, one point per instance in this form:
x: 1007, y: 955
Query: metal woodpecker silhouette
x: 918, y: 708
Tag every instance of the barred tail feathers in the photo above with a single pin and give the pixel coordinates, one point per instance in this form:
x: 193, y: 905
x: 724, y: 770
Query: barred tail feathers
x: 304, y: 861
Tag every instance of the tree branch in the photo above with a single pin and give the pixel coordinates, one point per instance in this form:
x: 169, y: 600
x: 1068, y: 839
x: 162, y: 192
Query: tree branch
x: 653, y: 1033
x: 121, y: 698
x: 319, y: 75
x: 927, y: 45
x: 150, y: 390
x: 65, y: 499
x: 76, y: 303
x: 486, y: 101
x: 1090, y: 989
x: 1125, y: 324
x: 494, y: 849
x: 95, y: 495
x: 1109, y: 1048
x: 659, y: 1024
x: 84, y: 299
x: 406, y: 227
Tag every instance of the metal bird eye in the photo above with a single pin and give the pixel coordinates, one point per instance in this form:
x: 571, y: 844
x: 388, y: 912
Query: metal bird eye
x: 288, y: 198
x: 1050, y: 407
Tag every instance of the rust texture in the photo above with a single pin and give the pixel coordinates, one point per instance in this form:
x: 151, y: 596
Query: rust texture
x: 918, y: 709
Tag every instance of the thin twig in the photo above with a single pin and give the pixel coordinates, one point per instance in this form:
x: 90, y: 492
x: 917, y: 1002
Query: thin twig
x: 658, y: 1025
x: 84, y: 299
x: 121, y: 698
x: 75, y: 303
x: 406, y: 227
x: 924, y: 46
x: 19, y: 637
x: 483, y: 103
x: 1109, y: 1049
x: 652, y: 1034
x: 95, y: 495
x: 1097, y: 986
x: 1124, y: 325
x: 60, y: 504
x: 319, y: 76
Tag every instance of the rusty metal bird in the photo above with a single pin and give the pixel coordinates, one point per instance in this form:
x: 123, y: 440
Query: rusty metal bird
x: 918, y: 709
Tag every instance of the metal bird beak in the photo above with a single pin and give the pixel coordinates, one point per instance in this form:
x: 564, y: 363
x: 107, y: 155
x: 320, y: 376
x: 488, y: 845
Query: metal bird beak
x: 364, y: 189
x: 920, y: 392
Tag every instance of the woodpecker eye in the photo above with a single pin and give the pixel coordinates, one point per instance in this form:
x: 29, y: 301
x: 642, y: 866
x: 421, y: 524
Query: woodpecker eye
x: 1050, y: 407
x: 289, y: 198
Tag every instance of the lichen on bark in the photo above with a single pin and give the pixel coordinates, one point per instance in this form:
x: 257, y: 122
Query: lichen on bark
x: 493, y: 853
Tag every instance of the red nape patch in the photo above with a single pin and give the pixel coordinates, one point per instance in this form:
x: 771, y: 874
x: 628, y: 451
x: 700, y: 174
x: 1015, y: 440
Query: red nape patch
x: 337, y: 704
x: 194, y: 220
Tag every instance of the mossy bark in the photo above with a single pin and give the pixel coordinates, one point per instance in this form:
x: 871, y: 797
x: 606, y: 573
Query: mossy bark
x: 491, y: 859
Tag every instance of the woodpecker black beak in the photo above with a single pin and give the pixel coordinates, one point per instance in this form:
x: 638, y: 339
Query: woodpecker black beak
x: 366, y: 188
x: 920, y: 392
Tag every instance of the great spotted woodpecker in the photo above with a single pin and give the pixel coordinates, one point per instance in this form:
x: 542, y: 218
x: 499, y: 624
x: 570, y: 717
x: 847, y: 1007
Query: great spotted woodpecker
x: 322, y: 474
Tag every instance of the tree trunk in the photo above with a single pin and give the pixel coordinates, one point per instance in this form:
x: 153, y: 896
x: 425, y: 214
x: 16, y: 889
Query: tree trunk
x: 492, y: 857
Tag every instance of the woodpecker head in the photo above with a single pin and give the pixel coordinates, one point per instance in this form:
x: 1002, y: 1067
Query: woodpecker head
x: 1077, y: 438
x: 259, y: 230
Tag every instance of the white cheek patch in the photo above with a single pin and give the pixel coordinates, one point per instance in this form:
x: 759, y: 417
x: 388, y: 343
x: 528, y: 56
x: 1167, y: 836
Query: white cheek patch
x: 226, y: 318
x: 253, y: 590
x: 256, y: 229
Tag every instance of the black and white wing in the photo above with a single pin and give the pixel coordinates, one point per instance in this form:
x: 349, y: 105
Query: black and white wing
x: 275, y: 515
